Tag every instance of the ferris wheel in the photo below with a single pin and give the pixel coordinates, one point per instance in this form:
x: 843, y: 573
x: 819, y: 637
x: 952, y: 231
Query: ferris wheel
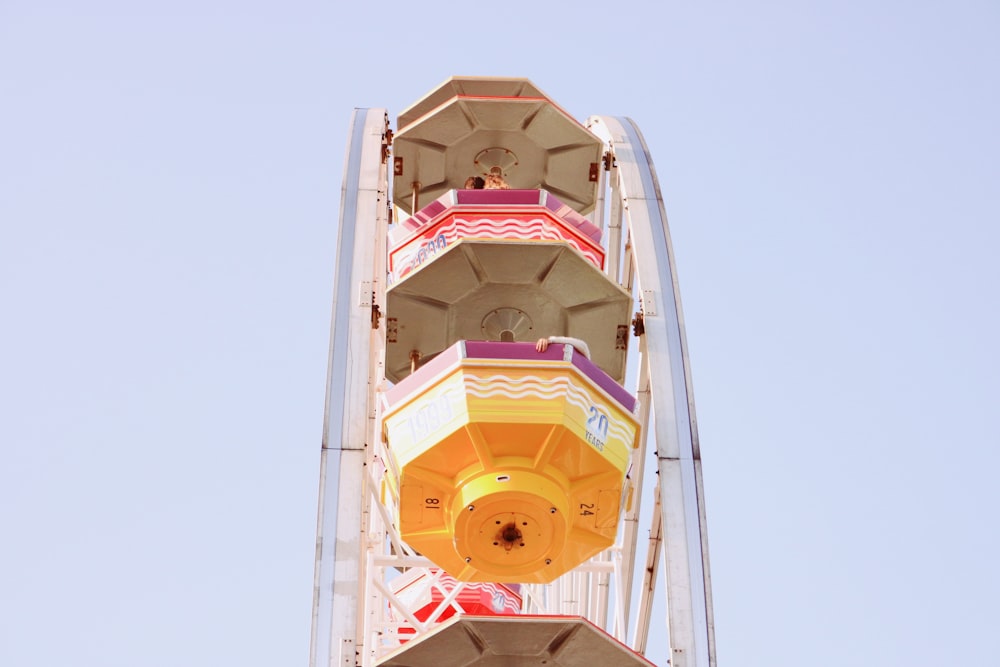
x: 510, y: 455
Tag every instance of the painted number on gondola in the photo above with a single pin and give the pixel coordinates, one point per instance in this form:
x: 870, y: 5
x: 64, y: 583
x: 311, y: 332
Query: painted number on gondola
x: 429, y: 248
x: 585, y: 509
x: 597, y: 428
x: 430, y: 417
x: 432, y: 503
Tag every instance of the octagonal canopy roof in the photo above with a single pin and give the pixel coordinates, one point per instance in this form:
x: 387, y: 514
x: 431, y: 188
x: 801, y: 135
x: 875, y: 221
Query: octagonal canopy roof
x: 479, y: 289
x: 515, y: 641
x: 471, y: 86
x: 470, y: 125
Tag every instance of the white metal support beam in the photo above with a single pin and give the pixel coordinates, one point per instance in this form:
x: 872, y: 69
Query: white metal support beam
x: 689, y: 605
x: 651, y: 571
x: 340, y: 564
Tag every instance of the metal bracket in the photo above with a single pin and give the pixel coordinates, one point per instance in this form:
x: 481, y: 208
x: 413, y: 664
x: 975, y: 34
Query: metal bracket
x: 609, y: 160
x: 366, y: 295
x: 386, y: 143
x: 348, y: 656
x: 649, y: 302
x: 621, y: 337
x: 638, y: 324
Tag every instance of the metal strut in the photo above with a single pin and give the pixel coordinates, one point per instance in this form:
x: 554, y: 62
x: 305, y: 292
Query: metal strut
x: 685, y: 541
x: 348, y: 417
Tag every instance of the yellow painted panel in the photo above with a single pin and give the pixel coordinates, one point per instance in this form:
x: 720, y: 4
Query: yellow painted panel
x: 509, y: 473
x: 412, y: 427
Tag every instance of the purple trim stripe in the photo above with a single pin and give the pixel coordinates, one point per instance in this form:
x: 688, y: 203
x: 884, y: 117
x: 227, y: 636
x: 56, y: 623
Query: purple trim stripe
x: 494, y: 197
x: 564, y: 212
x: 507, y: 197
x: 481, y: 349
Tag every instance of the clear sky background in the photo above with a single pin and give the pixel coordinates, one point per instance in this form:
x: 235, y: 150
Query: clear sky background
x: 170, y: 178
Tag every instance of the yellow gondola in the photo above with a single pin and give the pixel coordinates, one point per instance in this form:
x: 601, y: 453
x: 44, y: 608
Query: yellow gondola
x: 508, y: 464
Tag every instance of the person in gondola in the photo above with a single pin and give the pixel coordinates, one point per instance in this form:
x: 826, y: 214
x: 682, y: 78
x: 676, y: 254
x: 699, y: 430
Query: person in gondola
x: 495, y: 180
x: 543, y: 344
x: 475, y: 183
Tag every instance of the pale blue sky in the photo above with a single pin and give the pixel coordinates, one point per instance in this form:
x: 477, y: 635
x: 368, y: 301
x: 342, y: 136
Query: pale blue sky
x: 170, y: 177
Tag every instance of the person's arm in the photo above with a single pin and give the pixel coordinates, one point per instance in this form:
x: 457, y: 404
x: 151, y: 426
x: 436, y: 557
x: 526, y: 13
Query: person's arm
x: 543, y: 344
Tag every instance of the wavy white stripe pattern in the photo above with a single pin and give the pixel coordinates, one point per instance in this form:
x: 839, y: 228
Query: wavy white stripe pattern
x: 445, y: 584
x: 513, y: 229
x: 544, y: 388
x: 405, y: 257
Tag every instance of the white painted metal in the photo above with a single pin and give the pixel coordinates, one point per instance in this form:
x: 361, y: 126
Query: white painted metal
x: 347, y: 424
x: 689, y: 607
x: 650, y: 574
x: 614, y: 230
x: 630, y: 522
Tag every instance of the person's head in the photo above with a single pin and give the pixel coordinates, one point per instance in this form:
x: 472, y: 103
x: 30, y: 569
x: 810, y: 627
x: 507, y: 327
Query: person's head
x: 495, y: 182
